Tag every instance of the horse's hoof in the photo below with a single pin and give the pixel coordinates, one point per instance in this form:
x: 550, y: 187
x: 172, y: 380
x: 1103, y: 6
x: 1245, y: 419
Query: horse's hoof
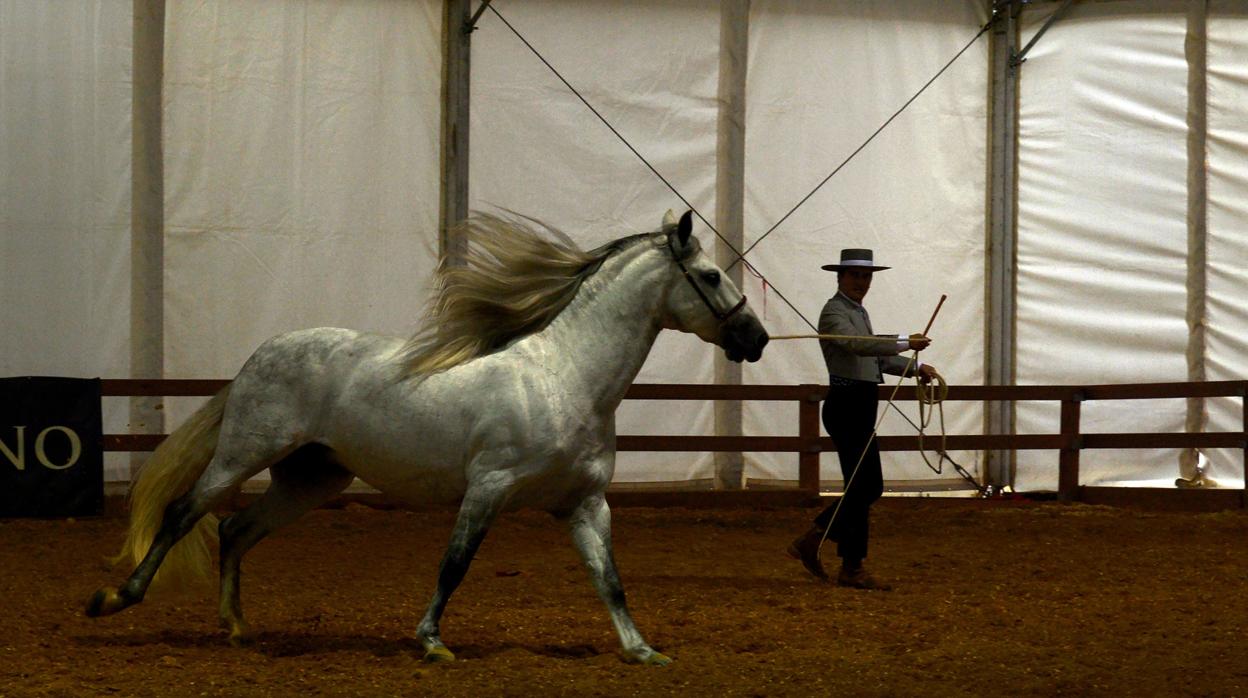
x: 649, y: 657
x: 657, y: 659
x: 240, y: 635
x: 439, y: 653
x: 104, y: 602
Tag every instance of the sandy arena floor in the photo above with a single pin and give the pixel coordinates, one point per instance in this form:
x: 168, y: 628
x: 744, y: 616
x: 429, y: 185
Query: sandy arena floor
x: 992, y: 598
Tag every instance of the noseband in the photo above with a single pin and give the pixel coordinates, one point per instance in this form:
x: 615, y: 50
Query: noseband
x: 722, y: 317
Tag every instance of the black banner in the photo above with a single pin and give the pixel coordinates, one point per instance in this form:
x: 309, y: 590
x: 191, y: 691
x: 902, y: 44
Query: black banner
x: 51, y: 460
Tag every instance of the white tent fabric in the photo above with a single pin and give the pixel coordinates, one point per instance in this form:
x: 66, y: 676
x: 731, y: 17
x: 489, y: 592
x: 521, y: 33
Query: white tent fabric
x: 301, y: 165
x: 536, y: 149
x: 65, y: 193
x: 534, y: 143
x: 914, y: 195
x: 301, y: 156
x: 1102, y: 232
x: 1228, y: 220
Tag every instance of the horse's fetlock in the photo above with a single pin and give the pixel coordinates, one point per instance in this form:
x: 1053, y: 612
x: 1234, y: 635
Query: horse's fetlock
x: 131, y: 593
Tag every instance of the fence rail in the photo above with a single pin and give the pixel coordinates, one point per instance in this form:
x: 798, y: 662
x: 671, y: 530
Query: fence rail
x: 809, y: 444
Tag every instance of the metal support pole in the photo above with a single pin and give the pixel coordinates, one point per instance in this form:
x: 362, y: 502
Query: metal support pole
x: 730, y: 213
x: 456, y: 54
x: 1002, y: 241
x: 1017, y: 59
x: 1195, y: 47
x: 147, y: 218
x: 472, y: 23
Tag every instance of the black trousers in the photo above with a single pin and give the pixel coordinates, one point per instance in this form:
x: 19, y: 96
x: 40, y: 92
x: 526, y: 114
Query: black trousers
x: 849, y: 414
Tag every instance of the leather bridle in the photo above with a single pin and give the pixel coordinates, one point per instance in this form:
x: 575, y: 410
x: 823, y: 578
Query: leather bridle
x: 722, y: 317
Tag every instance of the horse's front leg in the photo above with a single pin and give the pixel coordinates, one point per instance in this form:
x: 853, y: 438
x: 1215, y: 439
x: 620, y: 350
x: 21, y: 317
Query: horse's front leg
x: 481, y: 505
x: 591, y: 532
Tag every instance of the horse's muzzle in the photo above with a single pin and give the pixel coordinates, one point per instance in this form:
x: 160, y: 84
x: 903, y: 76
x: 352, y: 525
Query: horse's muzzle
x: 743, y: 338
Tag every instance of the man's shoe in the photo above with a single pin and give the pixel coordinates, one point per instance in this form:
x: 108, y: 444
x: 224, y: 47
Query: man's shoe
x: 860, y: 579
x: 806, y: 549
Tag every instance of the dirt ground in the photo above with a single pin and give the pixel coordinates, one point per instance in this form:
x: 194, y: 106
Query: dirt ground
x: 991, y: 598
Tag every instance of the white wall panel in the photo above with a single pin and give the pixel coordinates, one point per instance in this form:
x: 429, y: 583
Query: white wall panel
x: 1102, y: 233
x: 823, y: 76
x: 65, y: 193
x: 651, y: 69
x: 1227, y: 357
x: 301, y: 164
x: 301, y: 146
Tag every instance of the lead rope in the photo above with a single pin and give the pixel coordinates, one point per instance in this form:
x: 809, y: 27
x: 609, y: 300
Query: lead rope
x: 933, y: 397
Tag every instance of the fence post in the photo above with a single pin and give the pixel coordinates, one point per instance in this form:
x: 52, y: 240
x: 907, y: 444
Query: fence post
x: 808, y: 433
x: 1243, y: 400
x: 1068, y: 461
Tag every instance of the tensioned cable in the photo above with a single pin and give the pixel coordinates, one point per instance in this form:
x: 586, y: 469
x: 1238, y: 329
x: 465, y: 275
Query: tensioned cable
x: 865, y: 143
x: 606, y: 123
x: 740, y: 257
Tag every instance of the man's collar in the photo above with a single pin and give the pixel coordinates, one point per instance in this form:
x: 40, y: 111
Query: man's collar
x: 849, y: 300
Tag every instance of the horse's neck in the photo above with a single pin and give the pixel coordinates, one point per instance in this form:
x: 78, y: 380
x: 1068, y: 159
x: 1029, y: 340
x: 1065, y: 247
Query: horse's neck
x: 603, y: 336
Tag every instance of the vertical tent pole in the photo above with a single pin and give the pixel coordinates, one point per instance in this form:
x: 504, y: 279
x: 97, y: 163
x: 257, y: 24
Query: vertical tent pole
x: 147, y: 221
x: 1197, y: 228
x: 729, y: 212
x: 1002, y: 240
x: 456, y: 55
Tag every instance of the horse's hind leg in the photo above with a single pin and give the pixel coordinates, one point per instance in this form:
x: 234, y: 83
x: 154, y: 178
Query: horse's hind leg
x: 306, y: 478
x: 179, y: 518
x: 591, y: 532
x: 478, y: 511
x: 242, y: 450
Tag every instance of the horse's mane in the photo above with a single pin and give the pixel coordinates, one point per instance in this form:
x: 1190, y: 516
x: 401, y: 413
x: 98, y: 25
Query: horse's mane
x: 512, y: 280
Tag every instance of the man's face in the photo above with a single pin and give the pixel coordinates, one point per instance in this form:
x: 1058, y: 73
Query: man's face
x: 854, y: 283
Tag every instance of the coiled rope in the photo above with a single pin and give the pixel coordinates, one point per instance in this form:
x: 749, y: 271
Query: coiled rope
x: 932, y: 397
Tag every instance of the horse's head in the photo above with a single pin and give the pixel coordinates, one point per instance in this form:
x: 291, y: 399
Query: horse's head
x: 704, y: 301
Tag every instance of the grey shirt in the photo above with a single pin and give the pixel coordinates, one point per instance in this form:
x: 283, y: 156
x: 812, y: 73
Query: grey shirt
x: 861, y: 360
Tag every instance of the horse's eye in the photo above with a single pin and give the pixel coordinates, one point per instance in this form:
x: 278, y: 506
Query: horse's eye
x: 711, y: 278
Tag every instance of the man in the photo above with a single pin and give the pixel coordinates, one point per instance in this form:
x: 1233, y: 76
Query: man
x: 855, y: 370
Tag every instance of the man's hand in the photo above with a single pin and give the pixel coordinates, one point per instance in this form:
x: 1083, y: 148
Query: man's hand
x: 927, y: 373
x: 918, y: 342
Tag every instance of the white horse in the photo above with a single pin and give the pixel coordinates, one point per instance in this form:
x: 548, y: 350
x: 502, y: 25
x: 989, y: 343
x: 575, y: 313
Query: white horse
x: 505, y: 400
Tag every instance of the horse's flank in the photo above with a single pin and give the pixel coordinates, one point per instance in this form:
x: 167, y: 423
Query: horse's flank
x: 511, y: 281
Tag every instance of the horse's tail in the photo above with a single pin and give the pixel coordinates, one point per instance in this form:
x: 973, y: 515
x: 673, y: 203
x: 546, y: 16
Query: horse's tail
x: 174, y: 466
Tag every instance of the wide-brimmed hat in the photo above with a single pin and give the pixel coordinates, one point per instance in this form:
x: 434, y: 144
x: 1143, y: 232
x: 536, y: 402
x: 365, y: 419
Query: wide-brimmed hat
x: 855, y: 259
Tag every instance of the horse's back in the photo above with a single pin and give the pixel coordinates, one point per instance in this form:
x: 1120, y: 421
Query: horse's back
x: 310, y: 366
x: 422, y: 440
x: 290, y: 385
x: 349, y: 391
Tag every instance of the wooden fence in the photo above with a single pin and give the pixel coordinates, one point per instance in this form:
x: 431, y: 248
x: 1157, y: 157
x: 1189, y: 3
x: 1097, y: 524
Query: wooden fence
x: 1070, y: 441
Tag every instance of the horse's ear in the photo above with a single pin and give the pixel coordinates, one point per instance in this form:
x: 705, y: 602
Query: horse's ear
x: 669, y: 221
x: 684, y: 228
